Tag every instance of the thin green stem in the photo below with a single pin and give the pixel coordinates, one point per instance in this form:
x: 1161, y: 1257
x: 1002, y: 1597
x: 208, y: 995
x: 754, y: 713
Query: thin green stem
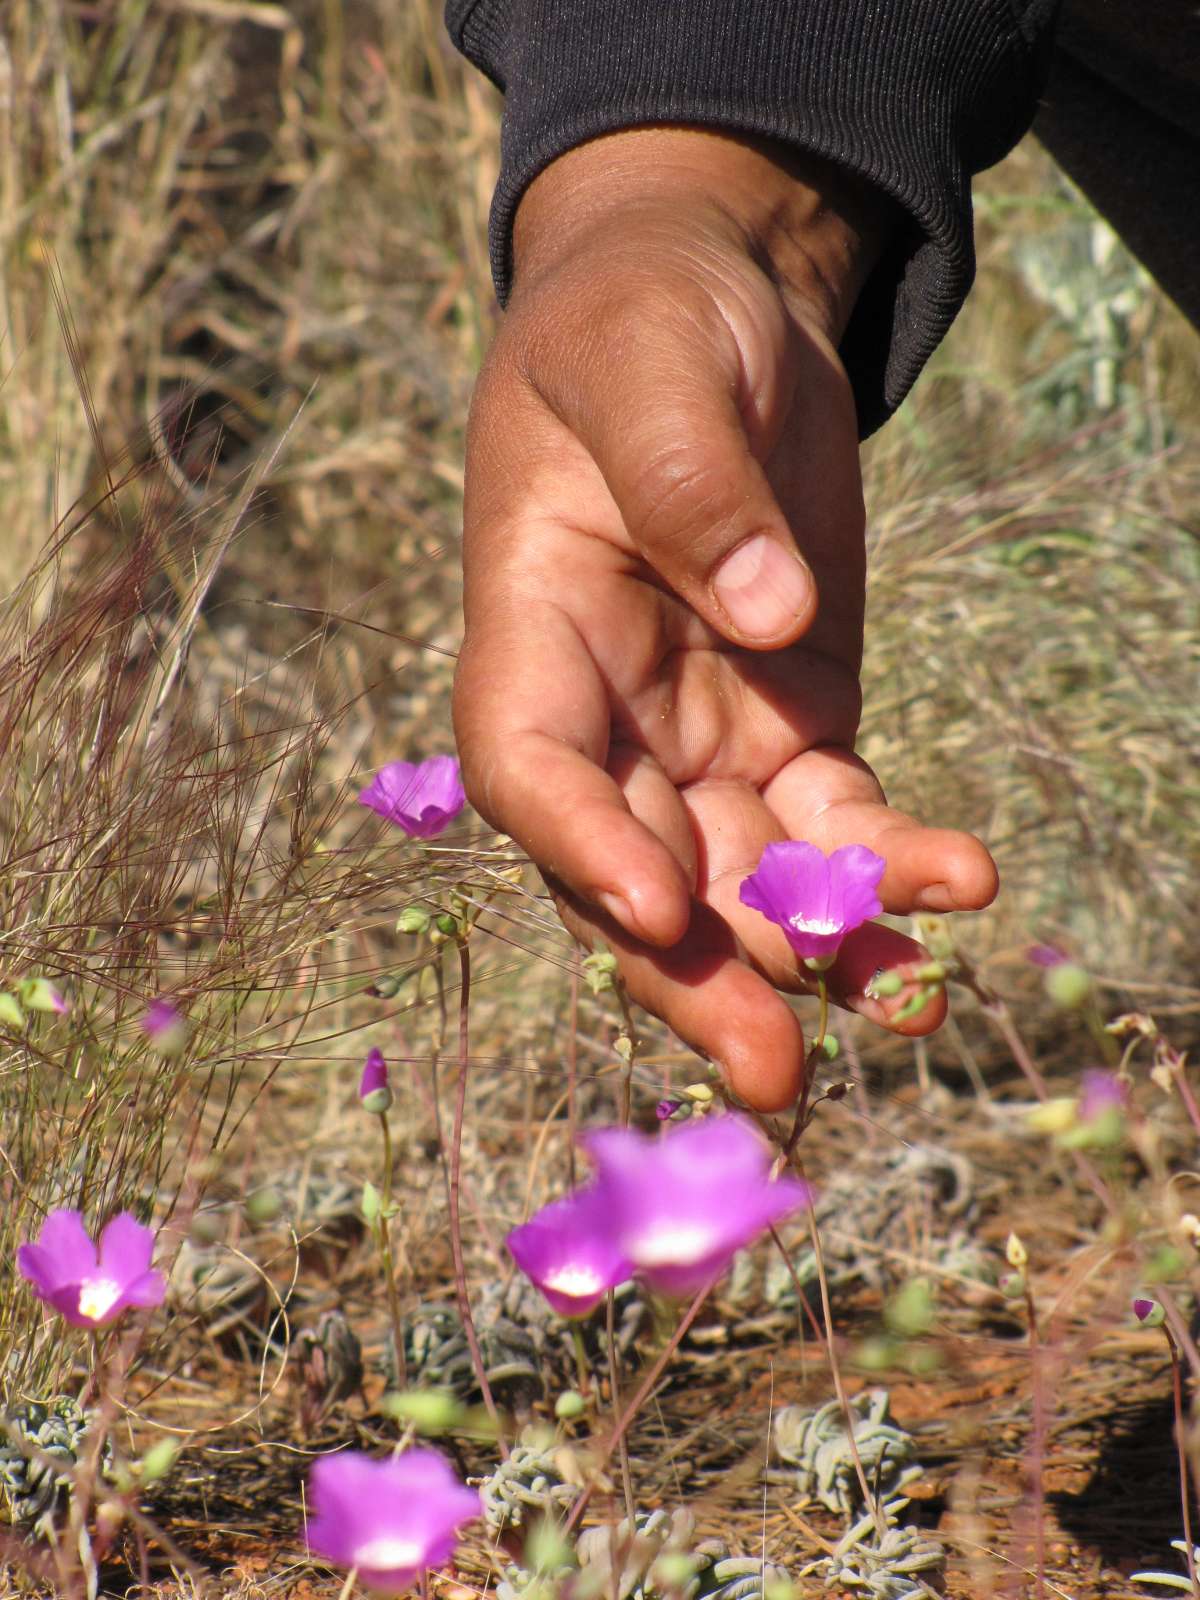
x: 455, y: 1184
x: 614, y: 1379
x: 385, y: 1249
x: 583, y: 1370
x: 1185, y: 1498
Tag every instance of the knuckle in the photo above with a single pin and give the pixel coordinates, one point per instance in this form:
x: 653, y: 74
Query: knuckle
x: 679, y: 499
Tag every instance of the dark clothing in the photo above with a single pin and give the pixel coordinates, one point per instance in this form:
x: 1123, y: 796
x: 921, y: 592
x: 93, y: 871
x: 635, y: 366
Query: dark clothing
x: 915, y: 96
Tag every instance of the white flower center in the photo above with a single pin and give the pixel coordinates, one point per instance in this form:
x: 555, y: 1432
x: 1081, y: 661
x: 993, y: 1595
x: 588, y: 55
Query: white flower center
x: 97, y: 1296
x: 814, y: 925
x: 578, y: 1281
x: 388, y: 1553
x: 673, y: 1245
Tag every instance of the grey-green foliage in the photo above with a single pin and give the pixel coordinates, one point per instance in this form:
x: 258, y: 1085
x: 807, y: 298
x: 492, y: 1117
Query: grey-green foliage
x: 894, y: 1567
x: 743, y: 1578
x: 640, y: 1577
x: 529, y: 1484
x: 437, y: 1355
x: 40, y: 1446
x: 817, y: 1445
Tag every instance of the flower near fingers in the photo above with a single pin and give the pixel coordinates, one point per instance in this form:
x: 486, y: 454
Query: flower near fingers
x: 816, y: 899
x: 570, y: 1252
x: 91, y: 1287
x: 681, y: 1206
x: 421, y: 797
x: 391, y: 1520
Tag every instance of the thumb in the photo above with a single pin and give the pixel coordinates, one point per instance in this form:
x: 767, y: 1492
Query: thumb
x: 678, y: 438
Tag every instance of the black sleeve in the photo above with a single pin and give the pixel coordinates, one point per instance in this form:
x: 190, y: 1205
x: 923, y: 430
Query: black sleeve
x: 915, y: 96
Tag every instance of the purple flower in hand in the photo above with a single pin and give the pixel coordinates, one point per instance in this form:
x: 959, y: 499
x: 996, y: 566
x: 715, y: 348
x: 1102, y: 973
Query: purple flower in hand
x: 390, y: 1519
x: 816, y: 899
x: 422, y: 798
x: 682, y: 1205
x: 90, y: 1288
x: 570, y: 1252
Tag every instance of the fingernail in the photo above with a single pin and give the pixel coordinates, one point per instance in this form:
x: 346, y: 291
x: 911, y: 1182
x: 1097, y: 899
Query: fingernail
x: 762, y: 588
x: 935, y: 897
x: 619, y: 910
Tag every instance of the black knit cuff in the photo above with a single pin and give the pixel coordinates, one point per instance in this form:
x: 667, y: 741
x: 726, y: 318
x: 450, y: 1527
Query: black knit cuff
x: 914, y: 96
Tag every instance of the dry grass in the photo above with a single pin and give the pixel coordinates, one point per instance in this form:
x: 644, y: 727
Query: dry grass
x: 243, y: 293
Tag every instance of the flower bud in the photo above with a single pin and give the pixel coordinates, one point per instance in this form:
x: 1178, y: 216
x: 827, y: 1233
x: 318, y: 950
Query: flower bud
x: 1053, y: 1116
x: 413, y: 919
x: 37, y: 994
x: 11, y: 1014
x: 909, y: 1312
x: 158, y: 1460
x: 934, y: 931
x: 832, y: 1049
x: 569, y: 1405
x: 1015, y: 1253
x: 701, y: 1093
x: 1068, y: 985
x: 885, y: 984
x: 388, y: 985
x: 374, y: 1090
x: 1148, y: 1312
x: 1012, y: 1285
x: 264, y: 1205
x: 163, y: 1024
x: 666, y: 1109
x: 447, y: 923
x: 429, y: 1410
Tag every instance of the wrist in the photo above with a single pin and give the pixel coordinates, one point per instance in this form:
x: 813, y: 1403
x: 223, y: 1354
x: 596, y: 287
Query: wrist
x: 816, y: 230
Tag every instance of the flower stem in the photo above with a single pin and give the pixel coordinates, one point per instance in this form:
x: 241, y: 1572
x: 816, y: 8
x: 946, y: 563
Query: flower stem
x: 455, y: 1183
x: 1181, y: 1450
x: 614, y: 1379
x: 583, y: 1370
x: 644, y: 1389
x: 385, y: 1250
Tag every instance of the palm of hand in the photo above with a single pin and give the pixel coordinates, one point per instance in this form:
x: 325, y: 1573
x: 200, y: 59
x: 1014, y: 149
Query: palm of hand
x: 643, y: 759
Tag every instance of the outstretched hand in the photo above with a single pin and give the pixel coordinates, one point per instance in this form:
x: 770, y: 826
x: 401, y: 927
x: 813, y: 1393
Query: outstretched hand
x: 665, y: 571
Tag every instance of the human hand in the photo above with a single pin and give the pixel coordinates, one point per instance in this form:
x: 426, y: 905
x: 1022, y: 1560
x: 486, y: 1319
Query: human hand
x: 665, y: 570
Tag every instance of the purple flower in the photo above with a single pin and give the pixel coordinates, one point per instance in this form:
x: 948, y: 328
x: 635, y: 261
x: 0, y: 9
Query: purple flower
x: 374, y: 1090
x: 570, y: 1252
x: 421, y: 798
x: 1149, y: 1313
x: 90, y: 1288
x: 1102, y: 1093
x: 389, y: 1519
x: 1044, y: 955
x: 163, y: 1024
x: 816, y: 899
x: 680, y: 1206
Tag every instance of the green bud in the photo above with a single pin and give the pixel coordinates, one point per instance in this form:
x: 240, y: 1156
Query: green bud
x: 1149, y: 1313
x: 914, y: 1006
x: 429, y: 1410
x: 922, y: 1360
x: 599, y: 969
x: 38, y: 994
x: 445, y: 922
x: 623, y: 1045
x: 159, y: 1460
x: 370, y: 1202
x: 932, y: 972
x: 1068, y: 985
x: 413, y: 919
x: 909, y: 1312
x: 831, y: 1047
x: 264, y: 1205
x: 569, y: 1405
x: 10, y: 1011
x: 1012, y: 1285
x: 935, y: 933
x: 701, y: 1093
x: 885, y: 984
x: 876, y: 1354
x: 377, y: 1101
x: 389, y: 984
